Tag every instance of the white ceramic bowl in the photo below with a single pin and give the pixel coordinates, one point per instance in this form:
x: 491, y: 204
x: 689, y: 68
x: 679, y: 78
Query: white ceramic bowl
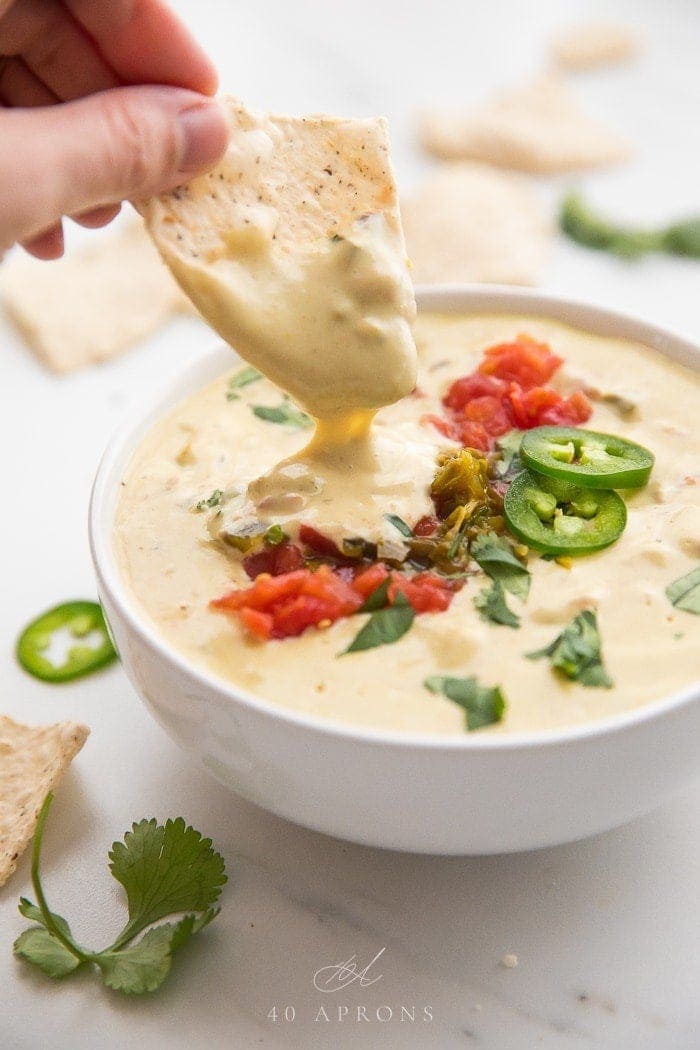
x: 434, y: 794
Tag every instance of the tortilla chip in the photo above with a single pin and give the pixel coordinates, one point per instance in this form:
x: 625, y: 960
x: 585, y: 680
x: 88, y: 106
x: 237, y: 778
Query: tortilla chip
x: 33, y: 760
x: 594, y: 44
x: 469, y: 222
x: 94, y: 303
x: 538, y: 128
x: 311, y: 176
x: 251, y: 242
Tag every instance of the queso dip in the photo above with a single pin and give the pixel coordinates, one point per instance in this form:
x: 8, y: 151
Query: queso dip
x: 188, y: 483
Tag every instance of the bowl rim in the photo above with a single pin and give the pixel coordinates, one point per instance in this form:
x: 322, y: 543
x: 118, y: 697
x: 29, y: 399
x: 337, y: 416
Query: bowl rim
x: 446, y: 298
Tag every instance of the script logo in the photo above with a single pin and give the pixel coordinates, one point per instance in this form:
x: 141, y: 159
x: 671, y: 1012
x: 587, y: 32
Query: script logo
x: 337, y: 976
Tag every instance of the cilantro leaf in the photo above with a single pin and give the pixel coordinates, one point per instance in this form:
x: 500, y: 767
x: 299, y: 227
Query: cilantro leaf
x: 384, y: 626
x: 37, y: 945
x: 509, y: 463
x: 378, y: 599
x: 142, y: 967
x: 285, y: 414
x: 211, y: 501
x: 400, y: 524
x: 684, y: 593
x: 492, y: 605
x: 164, y: 870
x: 495, y: 556
x: 483, y: 705
x: 244, y: 377
x: 576, y: 652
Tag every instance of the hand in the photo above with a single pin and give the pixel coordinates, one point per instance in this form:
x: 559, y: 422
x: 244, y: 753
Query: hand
x: 83, y: 125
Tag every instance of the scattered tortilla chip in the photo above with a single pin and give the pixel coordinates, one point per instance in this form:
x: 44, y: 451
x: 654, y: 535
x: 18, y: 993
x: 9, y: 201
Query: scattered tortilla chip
x: 594, y: 44
x: 33, y: 760
x: 96, y: 302
x: 470, y: 222
x: 538, y: 128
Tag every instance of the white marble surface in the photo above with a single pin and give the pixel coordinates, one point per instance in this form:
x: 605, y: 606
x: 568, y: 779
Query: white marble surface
x: 605, y: 931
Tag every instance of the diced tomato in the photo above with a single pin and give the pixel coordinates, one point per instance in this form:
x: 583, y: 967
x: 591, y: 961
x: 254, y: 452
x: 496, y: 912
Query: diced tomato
x: 293, y: 617
x: 258, y: 623
x: 569, y: 412
x: 449, y: 428
x: 285, y: 557
x: 524, y: 361
x: 425, y: 592
x: 474, y: 435
x: 469, y: 387
x: 282, y: 606
x: 285, y: 606
x: 426, y: 526
x: 367, y: 581
x: 318, y: 543
x: 266, y: 591
x: 542, y: 405
x: 492, y: 413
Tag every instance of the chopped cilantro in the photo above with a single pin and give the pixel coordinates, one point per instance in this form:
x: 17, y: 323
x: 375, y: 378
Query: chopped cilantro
x: 245, y: 377
x: 492, y: 605
x: 384, y: 626
x: 576, y: 652
x: 509, y: 463
x: 483, y: 705
x: 214, y: 500
x: 400, y: 524
x: 495, y: 556
x: 378, y: 599
x: 284, y: 414
x: 165, y: 870
x: 275, y: 535
x: 684, y: 593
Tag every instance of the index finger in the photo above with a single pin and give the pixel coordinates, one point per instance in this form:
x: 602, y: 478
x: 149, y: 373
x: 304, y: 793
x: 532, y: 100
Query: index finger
x: 145, y: 43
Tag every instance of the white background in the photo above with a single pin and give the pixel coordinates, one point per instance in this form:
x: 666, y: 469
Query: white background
x: 606, y: 931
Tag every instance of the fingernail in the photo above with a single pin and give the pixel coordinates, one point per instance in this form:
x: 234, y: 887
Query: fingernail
x: 204, y: 136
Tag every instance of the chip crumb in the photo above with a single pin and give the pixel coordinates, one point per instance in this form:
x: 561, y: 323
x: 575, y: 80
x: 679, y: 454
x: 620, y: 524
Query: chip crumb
x: 509, y: 961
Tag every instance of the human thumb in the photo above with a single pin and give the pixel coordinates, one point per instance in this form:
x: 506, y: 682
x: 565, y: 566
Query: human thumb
x: 116, y: 145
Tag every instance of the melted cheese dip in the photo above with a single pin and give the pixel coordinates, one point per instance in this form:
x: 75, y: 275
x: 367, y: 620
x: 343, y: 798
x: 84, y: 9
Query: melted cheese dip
x: 172, y: 568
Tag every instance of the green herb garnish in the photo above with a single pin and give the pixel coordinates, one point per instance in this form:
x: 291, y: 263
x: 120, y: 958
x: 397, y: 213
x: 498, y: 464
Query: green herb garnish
x: 585, y: 227
x: 684, y: 593
x: 275, y: 535
x: 384, y: 626
x: 378, y: 599
x: 491, y: 603
x: 245, y: 377
x: 400, y: 524
x: 483, y: 705
x: 509, y: 462
x: 495, y: 556
x: 214, y: 500
x: 165, y: 870
x: 576, y: 652
x: 285, y: 414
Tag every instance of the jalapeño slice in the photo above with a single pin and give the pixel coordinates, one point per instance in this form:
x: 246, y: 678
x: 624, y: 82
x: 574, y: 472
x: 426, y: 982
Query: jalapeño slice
x: 84, y: 647
x: 586, y: 457
x: 555, y: 517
